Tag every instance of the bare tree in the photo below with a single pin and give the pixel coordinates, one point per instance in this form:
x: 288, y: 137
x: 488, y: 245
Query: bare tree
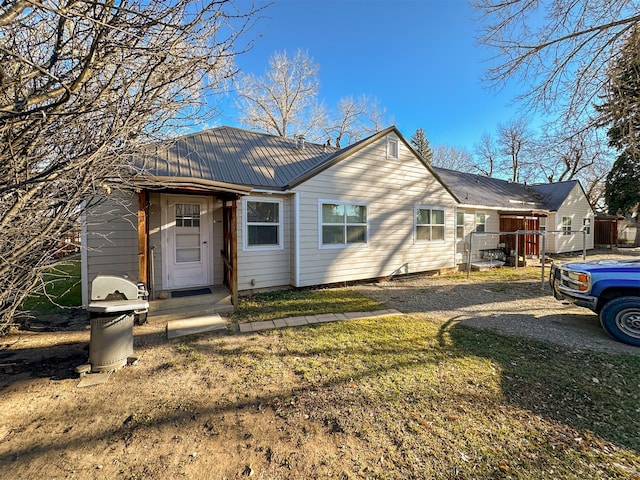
x: 564, y: 157
x: 561, y: 48
x: 378, y: 118
x: 514, y: 142
x: 486, y: 151
x: 453, y: 158
x: 354, y: 119
x: 285, y: 100
x: 84, y: 84
x: 593, y: 179
x: 582, y: 156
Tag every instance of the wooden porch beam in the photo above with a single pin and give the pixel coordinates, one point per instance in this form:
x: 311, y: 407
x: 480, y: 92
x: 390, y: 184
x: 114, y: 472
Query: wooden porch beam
x: 143, y: 237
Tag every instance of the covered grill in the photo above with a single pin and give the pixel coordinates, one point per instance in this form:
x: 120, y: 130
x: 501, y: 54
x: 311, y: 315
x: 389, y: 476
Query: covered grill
x: 115, y: 302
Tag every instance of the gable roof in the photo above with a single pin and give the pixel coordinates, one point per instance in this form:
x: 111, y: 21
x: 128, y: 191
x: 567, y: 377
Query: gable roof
x: 479, y: 190
x: 554, y: 194
x: 240, y: 160
x: 233, y: 156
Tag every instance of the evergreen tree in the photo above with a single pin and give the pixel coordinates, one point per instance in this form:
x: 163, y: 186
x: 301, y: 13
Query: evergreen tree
x: 421, y: 144
x: 622, y: 189
x: 621, y: 109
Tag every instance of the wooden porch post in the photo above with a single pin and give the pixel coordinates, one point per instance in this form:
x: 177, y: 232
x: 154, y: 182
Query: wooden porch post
x: 234, y: 253
x: 143, y: 243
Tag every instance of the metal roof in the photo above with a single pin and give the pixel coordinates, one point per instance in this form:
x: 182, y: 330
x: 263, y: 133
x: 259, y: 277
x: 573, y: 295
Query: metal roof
x: 475, y: 189
x: 236, y: 160
x: 233, y: 156
x: 488, y: 191
x: 554, y: 194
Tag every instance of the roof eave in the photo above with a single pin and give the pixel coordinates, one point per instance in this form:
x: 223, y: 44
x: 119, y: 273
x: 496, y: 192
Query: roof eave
x: 160, y: 182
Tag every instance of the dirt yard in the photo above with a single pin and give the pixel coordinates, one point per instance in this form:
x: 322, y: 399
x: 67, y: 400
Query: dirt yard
x: 210, y: 410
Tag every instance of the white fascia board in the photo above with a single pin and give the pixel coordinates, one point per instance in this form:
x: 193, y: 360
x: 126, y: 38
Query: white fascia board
x: 272, y: 192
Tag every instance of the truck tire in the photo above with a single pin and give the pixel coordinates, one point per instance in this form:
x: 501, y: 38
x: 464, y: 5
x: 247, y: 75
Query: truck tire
x: 620, y: 317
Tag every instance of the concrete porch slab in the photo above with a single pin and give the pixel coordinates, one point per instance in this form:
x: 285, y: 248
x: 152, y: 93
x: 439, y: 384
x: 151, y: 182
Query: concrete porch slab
x: 190, y: 326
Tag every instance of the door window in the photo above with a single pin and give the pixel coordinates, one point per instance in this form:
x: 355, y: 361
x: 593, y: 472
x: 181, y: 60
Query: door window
x: 188, y: 233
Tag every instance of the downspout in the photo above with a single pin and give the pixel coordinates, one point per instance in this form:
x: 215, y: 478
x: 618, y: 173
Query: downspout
x: 296, y: 239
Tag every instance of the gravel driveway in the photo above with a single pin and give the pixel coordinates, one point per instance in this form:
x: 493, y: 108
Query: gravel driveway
x: 514, y: 308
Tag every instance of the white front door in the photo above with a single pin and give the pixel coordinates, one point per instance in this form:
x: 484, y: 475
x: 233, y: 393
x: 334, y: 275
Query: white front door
x: 187, y: 238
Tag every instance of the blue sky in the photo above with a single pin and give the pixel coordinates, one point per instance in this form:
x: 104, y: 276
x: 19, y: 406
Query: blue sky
x: 419, y: 58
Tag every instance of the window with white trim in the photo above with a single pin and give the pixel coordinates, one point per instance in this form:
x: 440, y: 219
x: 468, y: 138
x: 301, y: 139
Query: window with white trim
x: 481, y: 222
x: 263, y: 223
x: 586, y: 225
x: 459, y: 225
x: 429, y: 224
x: 392, y: 147
x: 343, y: 224
x: 566, y: 225
x: 542, y: 224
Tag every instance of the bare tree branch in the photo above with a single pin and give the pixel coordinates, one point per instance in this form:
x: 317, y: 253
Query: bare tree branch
x: 84, y: 85
x: 354, y: 119
x: 453, y: 158
x: 560, y: 49
x: 486, y: 151
x: 284, y: 99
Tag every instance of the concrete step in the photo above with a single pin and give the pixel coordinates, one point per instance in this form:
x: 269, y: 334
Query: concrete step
x: 195, y: 325
x: 164, y: 310
x: 218, y: 295
x: 182, y: 312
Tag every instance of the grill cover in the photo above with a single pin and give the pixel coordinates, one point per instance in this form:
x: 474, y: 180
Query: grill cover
x: 115, y: 300
x: 111, y: 341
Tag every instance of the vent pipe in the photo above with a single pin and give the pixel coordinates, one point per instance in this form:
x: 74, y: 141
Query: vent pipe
x: 300, y: 142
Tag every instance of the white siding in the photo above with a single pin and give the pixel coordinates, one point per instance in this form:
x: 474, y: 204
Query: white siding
x: 391, y: 189
x: 112, y: 237
x: 479, y: 241
x: 576, y: 207
x: 270, y: 267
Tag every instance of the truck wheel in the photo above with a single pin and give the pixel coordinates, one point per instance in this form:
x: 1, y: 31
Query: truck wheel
x: 620, y: 318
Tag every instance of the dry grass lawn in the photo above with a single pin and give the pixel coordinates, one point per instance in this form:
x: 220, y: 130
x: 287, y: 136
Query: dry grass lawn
x: 405, y: 397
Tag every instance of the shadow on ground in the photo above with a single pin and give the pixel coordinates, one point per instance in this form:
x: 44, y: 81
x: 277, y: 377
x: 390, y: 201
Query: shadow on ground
x: 586, y: 390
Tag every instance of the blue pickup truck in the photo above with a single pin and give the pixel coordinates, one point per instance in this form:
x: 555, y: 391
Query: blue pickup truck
x: 610, y: 288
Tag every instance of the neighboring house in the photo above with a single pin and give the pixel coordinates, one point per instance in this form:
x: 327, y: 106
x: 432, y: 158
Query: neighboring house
x: 487, y: 204
x: 254, y: 211
x: 627, y: 233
